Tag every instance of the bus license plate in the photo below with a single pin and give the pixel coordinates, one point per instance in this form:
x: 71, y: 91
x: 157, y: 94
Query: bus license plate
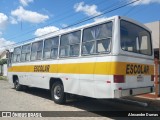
x: 140, y: 78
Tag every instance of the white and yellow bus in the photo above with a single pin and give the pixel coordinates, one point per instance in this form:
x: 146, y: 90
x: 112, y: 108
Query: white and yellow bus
x: 112, y: 58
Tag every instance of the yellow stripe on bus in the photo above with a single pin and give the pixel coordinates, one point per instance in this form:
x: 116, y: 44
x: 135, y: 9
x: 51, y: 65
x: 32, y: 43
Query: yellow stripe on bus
x: 101, y: 68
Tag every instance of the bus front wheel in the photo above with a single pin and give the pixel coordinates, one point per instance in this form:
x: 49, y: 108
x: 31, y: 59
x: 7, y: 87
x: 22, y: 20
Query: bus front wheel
x: 57, y: 93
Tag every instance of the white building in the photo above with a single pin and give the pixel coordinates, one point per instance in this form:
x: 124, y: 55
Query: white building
x: 3, y: 67
x: 155, y: 28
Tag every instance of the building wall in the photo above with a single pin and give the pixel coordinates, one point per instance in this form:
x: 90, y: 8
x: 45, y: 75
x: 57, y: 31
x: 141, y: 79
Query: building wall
x: 5, y: 70
x: 155, y: 28
x: 4, y: 57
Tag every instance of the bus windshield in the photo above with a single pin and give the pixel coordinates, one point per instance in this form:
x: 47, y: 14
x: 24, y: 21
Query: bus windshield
x: 135, y: 38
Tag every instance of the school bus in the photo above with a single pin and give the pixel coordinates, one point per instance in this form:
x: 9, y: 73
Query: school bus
x: 112, y: 58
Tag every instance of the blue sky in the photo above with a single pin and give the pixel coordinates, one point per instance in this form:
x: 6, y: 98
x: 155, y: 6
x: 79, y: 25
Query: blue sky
x: 24, y: 19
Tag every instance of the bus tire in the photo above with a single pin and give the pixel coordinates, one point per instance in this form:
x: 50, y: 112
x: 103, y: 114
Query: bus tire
x: 17, y: 86
x: 25, y: 88
x: 57, y: 93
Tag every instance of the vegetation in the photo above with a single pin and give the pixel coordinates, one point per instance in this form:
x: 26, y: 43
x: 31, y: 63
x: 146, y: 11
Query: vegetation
x: 3, y: 61
x: 3, y: 78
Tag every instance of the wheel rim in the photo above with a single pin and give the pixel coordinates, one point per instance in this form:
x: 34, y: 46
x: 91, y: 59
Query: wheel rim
x: 57, y: 92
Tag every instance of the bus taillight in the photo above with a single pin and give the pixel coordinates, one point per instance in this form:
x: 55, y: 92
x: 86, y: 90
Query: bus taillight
x: 119, y: 79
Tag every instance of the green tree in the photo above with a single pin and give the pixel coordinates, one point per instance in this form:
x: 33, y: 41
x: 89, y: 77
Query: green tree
x: 3, y: 61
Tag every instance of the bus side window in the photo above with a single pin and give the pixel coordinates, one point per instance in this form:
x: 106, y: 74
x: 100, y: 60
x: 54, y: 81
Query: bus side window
x: 97, y: 39
x: 70, y: 44
x: 103, y: 45
x: 9, y: 57
x: 51, y: 48
x: 16, y: 54
x: 36, y: 53
x: 88, y: 48
x: 25, y: 56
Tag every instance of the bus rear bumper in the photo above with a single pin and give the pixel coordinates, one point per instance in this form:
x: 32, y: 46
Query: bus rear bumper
x: 132, y: 91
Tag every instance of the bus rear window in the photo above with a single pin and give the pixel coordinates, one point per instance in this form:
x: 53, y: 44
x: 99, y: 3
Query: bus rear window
x: 135, y: 38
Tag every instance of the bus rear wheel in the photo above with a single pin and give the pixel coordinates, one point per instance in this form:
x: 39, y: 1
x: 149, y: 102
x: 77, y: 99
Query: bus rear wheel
x: 57, y: 93
x: 17, y: 86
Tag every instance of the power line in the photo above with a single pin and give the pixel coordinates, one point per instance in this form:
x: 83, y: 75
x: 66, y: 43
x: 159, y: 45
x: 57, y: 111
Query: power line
x: 132, y: 8
x: 68, y: 17
x: 78, y: 22
x: 140, y: 10
x: 105, y: 12
x: 57, y: 20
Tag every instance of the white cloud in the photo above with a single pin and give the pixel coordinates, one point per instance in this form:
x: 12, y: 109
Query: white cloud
x: 29, y: 16
x: 145, y: 2
x: 13, y: 20
x: 90, y: 10
x: 25, y: 2
x: 3, y: 20
x: 45, y: 30
x: 50, y: 31
x: 100, y: 19
x: 5, y: 44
